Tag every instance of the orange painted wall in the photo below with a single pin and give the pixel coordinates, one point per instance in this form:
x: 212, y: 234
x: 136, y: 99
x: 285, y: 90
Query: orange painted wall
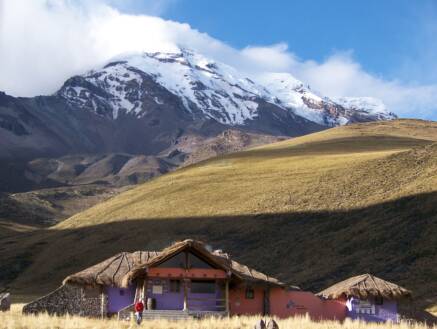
x: 239, y: 305
x: 304, y: 302
x: 299, y: 303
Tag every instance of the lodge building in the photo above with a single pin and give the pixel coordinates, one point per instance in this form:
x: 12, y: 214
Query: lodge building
x: 187, y: 279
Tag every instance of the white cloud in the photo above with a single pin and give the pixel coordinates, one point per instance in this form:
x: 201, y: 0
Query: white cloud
x: 273, y: 58
x: 43, y: 42
x: 339, y: 75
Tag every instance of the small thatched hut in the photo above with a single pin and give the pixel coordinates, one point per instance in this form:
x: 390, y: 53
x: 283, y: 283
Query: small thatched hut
x: 367, y: 297
x: 94, y: 291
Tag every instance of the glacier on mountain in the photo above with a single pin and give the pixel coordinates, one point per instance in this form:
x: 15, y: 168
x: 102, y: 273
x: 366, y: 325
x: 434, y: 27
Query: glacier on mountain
x: 215, y: 89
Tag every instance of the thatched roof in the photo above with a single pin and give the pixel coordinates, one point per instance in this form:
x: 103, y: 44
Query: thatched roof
x: 249, y: 275
x: 121, y: 269
x: 365, y: 286
x: 111, y: 271
x: 218, y: 259
x: 196, y: 247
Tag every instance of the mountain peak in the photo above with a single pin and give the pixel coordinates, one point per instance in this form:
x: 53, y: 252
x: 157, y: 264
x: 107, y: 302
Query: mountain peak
x: 130, y: 84
x: 370, y: 105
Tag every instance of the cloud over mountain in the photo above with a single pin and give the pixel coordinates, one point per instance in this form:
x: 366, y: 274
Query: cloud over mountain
x: 42, y: 43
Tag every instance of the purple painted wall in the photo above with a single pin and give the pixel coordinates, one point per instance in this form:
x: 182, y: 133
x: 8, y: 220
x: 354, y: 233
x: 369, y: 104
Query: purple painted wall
x: 369, y: 311
x: 170, y: 300
x: 166, y: 300
x: 119, y: 298
x: 209, y: 302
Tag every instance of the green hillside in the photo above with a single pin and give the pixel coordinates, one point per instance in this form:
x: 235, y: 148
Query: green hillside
x: 311, y: 210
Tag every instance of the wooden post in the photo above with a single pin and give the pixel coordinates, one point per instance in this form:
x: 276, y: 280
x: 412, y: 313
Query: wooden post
x: 185, y: 295
x: 227, y: 296
x: 184, y: 279
x: 266, y: 301
x: 144, y: 290
x: 102, y: 302
x: 139, y: 285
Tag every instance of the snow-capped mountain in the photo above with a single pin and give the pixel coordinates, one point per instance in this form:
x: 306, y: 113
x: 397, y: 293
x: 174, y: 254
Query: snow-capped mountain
x: 207, y: 89
x: 293, y: 95
x: 203, y: 86
x: 367, y: 106
x: 171, y: 107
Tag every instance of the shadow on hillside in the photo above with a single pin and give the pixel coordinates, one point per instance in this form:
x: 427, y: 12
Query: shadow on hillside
x: 395, y: 240
x: 336, y: 146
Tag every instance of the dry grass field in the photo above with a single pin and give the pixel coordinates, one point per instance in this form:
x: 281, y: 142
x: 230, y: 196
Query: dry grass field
x: 15, y: 320
x: 311, y: 211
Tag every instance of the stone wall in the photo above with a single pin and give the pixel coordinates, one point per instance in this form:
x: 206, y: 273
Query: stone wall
x: 5, y: 302
x: 74, y: 300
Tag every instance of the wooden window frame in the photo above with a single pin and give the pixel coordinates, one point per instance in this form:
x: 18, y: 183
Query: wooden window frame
x: 249, y: 293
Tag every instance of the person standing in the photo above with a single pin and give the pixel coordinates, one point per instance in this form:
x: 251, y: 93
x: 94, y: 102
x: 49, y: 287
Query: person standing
x: 139, y: 308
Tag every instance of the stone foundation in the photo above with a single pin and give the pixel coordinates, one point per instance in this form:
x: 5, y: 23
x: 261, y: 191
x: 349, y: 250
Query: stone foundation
x: 5, y: 302
x: 74, y: 300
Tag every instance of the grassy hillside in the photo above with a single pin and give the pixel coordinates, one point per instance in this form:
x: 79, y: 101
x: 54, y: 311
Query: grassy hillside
x: 311, y: 210
x: 305, y: 174
x: 58, y: 188
x: 45, y: 207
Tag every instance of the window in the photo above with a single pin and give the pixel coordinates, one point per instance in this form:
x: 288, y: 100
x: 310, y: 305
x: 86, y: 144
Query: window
x: 364, y: 306
x: 379, y: 300
x: 175, y: 286
x: 250, y: 293
x: 157, y: 289
x: 202, y: 287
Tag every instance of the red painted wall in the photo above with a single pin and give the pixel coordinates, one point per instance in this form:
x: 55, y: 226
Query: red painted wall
x: 291, y: 303
x: 239, y: 305
x: 285, y: 303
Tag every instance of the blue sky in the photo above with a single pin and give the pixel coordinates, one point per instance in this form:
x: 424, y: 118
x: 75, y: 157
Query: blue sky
x: 385, y: 49
x: 385, y: 36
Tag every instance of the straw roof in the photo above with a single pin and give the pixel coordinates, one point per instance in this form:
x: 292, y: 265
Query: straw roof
x: 250, y: 275
x: 111, y: 271
x: 365, y: 286
x: 123, y: 268
x: 218, y: 259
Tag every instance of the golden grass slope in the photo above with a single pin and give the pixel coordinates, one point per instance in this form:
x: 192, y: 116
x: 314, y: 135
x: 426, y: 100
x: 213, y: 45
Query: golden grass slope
x: 340, y: 168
